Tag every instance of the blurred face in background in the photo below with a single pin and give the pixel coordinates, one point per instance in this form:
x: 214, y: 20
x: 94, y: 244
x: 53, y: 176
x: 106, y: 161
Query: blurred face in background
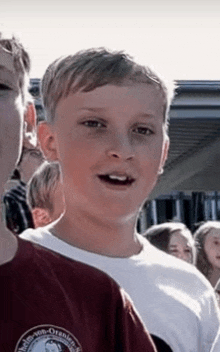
x: 212, y: 248
x: 181, y: 247
x: 44, y: 216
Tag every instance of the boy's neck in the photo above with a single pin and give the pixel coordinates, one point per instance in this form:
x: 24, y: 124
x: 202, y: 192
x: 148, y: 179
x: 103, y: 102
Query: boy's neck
x: 8, y: 242
x: 106, y: 238
x: 8, y: 245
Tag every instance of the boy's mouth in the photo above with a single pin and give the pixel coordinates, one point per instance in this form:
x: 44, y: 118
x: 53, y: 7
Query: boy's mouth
x: 117, y: 180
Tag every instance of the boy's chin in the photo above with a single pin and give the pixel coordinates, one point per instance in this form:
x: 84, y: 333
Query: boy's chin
x: 119, y: 213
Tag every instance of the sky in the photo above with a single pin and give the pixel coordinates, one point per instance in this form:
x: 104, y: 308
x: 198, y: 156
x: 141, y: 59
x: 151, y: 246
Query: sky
x: 180, y: 39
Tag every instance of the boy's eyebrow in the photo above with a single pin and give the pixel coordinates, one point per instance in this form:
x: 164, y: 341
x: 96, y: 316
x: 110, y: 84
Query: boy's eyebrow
x: 93, y: 109
x: 147, y: 115
x: 99, y: 109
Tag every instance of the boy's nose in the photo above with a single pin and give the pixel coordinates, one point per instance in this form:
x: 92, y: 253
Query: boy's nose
x: 120, y: 148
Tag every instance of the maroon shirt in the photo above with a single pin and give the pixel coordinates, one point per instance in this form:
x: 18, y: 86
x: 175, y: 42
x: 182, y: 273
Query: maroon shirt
x: 50, y: 303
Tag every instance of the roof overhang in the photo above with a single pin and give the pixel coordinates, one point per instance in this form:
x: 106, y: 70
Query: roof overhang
x: 194, y: 157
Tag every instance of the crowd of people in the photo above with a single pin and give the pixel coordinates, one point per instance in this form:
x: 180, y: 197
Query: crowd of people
x: 202, y: 248
x: 80, y: 277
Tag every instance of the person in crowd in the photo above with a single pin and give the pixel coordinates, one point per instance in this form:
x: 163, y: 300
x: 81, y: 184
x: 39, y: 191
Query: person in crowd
x: 107, y: 126
x: 173, y: 238
x: 17, y: 211
x: 44, y: 296
x: 207, y: 240
x: 45, y: 194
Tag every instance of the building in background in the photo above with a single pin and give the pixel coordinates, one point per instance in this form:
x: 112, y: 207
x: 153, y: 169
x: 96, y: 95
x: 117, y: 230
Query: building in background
x: 189, y: 189
x: 34, y: 89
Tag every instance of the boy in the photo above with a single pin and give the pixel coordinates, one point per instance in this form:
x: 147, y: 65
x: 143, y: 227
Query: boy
x: 17, y: 212
x: 107, y: 125
x: 47, y: 300
x: 45, y: 194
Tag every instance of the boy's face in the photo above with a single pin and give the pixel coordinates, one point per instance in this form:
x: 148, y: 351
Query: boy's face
x: 11, y: 113
x: 111, y: 144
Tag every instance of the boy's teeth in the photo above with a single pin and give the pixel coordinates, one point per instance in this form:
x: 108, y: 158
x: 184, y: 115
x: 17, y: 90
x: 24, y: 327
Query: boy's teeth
x: 120, y: 178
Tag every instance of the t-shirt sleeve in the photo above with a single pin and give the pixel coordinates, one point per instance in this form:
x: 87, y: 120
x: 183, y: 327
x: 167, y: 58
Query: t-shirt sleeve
x: 130, y: 331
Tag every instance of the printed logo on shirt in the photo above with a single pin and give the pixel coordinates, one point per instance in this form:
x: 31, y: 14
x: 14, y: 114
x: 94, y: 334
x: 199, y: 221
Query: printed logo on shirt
x: 48, y: 338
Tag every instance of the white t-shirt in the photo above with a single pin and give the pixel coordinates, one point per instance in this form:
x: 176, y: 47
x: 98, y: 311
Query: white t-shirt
x: 175, y: 301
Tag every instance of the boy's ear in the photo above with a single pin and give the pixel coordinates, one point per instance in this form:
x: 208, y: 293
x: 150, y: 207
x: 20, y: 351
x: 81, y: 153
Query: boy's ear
x: 164, y: 154
x: 47, y: 141
x: 41, y: 217
x: 30, y: 129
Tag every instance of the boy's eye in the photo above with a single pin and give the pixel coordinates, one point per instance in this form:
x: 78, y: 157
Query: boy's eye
x: 93, y: 123
x: 143, y: 130
x: 4, y: 87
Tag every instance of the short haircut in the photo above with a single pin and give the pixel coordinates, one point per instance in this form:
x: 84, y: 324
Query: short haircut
x: 22, y: 63
x: 93, y: 68
x: 42, y: 186
x: 159, y: 235
x: 202, y: 231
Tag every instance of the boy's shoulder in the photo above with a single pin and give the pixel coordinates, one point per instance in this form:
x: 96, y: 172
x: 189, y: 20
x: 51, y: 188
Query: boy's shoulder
x: 153, y: 276
x: 39, y: 259
x: 149, y: 262
x: 49, y: 291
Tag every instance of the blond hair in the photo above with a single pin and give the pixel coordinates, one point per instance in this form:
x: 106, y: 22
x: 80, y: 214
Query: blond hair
x: 42, y: 186
x: 22, y: 64
x: 89, y: 69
